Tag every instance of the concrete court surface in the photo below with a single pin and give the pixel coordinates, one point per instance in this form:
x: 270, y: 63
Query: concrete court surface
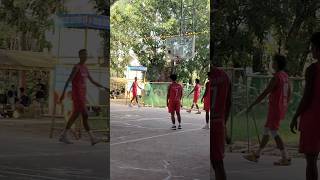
x: 28, y: 154
x: 144, y: 148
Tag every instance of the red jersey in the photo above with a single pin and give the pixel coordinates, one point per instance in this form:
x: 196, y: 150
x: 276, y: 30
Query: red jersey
x: 197, y: 90
x: 79, y: 88
x: 79, y: 82
x: 175, y: 91
x: 206, y: 98
x: 220, y: 84
x: 278, y: 101
x: 135, y: 87
x: 309, y: 119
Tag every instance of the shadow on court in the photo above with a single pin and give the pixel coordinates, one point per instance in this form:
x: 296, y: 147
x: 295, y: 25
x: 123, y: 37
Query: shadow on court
x: 27, y: 153
x: 143, y: 147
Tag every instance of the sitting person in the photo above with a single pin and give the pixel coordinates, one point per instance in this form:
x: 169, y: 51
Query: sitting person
x: 22, y: 104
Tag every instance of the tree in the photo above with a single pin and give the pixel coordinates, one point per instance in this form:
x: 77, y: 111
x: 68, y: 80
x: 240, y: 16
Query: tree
x: 144, y: 32
x: 26, y: 23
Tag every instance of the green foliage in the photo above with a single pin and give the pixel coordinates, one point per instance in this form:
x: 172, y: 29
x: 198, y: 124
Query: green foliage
x: 24, y: 23
x: 250, y: 32
x: 141, y: 25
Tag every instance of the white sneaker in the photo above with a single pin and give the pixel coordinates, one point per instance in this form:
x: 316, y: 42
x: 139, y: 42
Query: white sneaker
x: 95, y: 141
x: 174, y: 127
x: 206, y: 126
x: 130, y: 105
x: 65, y: 140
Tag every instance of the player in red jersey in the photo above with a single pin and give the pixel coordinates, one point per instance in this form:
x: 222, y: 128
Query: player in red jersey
x: 79, y: 77
x: 308, y: 111
x: 206, y: 101
x: 279, y: 90
x: 174, y: 97
x: 134, y: 87
x: 196, y: 95
x: 220, y: 101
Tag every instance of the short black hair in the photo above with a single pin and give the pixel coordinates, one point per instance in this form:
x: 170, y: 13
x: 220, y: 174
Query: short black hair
x: 197, y: 81
x: 281, y: 61
x: 315, y: 39
x: 173, y: 77
x: 208, y: 73
x: 82, y: 50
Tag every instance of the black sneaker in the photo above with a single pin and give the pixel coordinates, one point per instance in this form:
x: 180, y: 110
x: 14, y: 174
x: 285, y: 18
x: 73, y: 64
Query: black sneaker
x: 179, y: 127
x: 174, y: 127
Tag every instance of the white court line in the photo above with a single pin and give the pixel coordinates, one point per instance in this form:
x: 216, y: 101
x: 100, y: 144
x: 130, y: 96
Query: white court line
x: 30, y: 175
x: 138, y: 120
x: 5, y: 168
x: 39, y: 154
x: 151, y: 137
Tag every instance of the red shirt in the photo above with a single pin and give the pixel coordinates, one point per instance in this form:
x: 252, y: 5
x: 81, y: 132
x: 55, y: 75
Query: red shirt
x: 309, y: 119
x: 135, y: 87
x: 278, y: 98
x: 197, y: 90
x: 79, y: 82
x: 207, y: 96
x: 175, y: 91
x: 220, y: 84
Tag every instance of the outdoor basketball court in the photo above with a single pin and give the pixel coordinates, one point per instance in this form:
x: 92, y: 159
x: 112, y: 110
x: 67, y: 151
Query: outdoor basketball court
x: 27, y: 153
x: 143, y: 147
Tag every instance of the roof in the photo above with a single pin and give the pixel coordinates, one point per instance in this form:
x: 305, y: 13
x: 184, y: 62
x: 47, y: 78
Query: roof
x: 25, y: 59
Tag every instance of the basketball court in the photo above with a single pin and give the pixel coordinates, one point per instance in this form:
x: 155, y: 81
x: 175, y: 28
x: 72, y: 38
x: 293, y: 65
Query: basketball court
x: 142, y: 145
x: 27, y: 153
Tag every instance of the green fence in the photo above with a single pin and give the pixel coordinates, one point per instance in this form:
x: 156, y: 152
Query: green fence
x: 245, y: 89
x: 155, y: 94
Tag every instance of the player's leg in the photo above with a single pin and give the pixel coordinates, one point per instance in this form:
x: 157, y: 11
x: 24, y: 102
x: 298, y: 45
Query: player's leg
x: 217, y: 150
x: 220, y: 172
x: 173, y: 120
x: 189, y: 111
x: 207, y: 120
x: 312, y: 169
x: 256, y: 155
x: 63, y: 136
x: 198, y: 109
x: 177, y: 110
x: 86, y: 126
x: 179, y: 119
x: 280, y: 145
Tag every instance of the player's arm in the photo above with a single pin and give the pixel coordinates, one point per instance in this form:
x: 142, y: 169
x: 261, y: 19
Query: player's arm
x: 289, y: 92
x: 71, y: 77
x: 168, y: 95
x: 191, y: 91
x: 95, y: 82
x: 306, y: 98
x: 267, y: 91
x: 205, y: 92
x: 181, y: 92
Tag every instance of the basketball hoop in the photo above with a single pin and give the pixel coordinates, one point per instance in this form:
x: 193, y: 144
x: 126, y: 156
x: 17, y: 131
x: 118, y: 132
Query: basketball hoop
x: 182, y: 47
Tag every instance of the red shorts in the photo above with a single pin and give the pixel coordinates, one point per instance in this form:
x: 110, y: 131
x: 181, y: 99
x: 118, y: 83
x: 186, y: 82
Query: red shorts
x: 206, y: 106
x: 217, y: 140
x: 134, y: 94
x: 309, y: 142
x: 79, y: 102
x: 174, y: 106
x: 273, y: 120
x: 195, y: 98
